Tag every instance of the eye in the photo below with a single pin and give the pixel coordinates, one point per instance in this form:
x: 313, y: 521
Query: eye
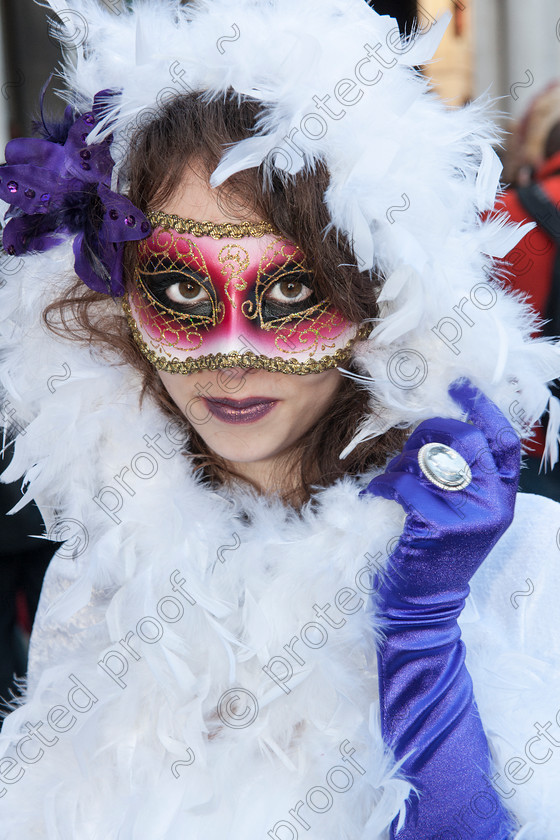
x: 187, y: 291
x: 181, y: 291
x: 289, y: 291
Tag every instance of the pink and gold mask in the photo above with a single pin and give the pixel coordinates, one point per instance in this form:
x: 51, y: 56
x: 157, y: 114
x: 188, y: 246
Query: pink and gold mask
x: 214, y: 296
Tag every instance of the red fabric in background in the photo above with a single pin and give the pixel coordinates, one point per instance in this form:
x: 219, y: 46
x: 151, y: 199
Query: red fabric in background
x: 531, y: 261
x: 22, y: 613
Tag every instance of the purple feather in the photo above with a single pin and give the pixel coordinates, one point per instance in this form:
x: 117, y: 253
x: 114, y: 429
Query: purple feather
x: 59, y: 186
x: 51, y: 130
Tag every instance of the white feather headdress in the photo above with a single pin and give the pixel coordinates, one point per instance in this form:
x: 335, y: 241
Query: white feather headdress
x: 409, y: 176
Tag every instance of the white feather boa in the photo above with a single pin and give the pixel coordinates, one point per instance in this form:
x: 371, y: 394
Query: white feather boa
x: 147, y: 753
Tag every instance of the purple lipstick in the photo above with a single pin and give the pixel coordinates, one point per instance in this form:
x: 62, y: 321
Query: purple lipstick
x: 240, y: 411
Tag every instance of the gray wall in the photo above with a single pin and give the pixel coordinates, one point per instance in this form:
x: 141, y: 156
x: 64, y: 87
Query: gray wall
x: 30, y: 56
x: 517, y: 50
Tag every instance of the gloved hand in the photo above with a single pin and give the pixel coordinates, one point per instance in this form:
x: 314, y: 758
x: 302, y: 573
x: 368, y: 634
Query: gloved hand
x: 426, y: 694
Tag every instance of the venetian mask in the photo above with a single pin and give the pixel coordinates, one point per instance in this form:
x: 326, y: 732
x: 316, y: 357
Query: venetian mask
x: 214, y: 296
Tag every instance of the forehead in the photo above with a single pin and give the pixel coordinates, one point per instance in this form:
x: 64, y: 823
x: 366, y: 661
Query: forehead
x: 208, y: 252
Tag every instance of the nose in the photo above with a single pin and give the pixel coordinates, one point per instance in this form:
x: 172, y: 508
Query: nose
x: 242, y: 371
x: 232, y: 379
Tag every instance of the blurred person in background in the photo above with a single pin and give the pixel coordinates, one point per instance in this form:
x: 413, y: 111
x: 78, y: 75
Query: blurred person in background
x: 533, y: 170
x: 23, y: 563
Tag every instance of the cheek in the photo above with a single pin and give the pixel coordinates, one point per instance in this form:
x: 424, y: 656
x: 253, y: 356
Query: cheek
x: 318, y: 392
x: 180, y: 387
x: 324, y: 385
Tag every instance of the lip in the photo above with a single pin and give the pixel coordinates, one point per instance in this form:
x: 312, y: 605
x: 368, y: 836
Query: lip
x: 246, y: 403
x: 240, y: 411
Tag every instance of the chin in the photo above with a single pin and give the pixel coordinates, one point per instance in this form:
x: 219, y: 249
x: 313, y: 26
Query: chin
x: 242, y: 447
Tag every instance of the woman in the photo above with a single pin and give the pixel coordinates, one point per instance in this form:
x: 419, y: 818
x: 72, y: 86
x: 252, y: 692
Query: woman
x: 252, y: 629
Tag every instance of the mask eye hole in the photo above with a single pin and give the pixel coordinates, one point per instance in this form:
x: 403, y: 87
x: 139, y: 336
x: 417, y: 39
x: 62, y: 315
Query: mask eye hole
x: 186, y: 292
x: 176, y: 290
x: 289, y: 291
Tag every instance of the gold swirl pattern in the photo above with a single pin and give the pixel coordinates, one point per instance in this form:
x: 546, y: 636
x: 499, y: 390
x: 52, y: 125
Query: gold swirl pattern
x: 161, y: 330
x: 234, y: 260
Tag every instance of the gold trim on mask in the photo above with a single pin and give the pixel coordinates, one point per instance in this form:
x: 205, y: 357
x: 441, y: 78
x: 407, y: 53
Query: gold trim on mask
x: 218, y: 308
x: 243, y: 360
x: 215, y: 230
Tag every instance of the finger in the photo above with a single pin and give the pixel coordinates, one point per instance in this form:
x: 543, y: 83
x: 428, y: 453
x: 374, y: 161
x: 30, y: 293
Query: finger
x: 502, y: 438
x: 466, y: 439
x: 417, y: 495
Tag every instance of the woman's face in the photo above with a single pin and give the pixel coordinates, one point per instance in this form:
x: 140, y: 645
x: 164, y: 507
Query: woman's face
x: 288, y: 404
x: 252, y: 435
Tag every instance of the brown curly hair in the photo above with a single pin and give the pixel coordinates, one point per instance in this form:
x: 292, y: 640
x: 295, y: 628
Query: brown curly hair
x: 192, y: 129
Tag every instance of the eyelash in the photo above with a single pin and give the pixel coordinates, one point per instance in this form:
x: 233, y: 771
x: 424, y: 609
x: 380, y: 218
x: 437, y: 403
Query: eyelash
x: 193, y: 301
x: 185, y: 301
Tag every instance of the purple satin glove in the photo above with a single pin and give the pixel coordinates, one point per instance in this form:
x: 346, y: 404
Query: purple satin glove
x: 426, y: 693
